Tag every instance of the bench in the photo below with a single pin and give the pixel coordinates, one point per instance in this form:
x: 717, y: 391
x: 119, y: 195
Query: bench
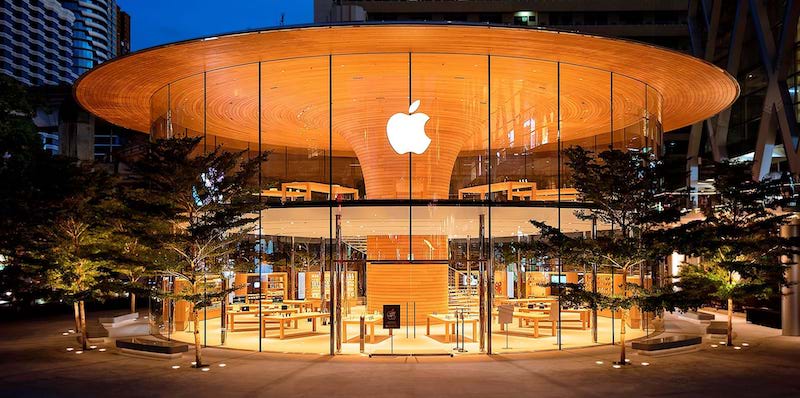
x: 700, y: 316
x: 117, y: 320
x: 718, y: 327
x: 667, y: 344
x: 153, y: 348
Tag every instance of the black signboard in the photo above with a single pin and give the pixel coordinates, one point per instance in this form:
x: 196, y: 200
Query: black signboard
x: 391, y: 316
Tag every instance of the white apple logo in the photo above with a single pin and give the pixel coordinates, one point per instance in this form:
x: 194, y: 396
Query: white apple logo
x: 406, y: 132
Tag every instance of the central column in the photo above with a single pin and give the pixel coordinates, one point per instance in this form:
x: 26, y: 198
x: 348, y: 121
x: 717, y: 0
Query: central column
x: 394, y: 280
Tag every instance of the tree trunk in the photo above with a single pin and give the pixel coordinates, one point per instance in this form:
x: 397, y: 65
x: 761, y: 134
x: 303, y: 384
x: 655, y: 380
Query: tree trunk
x: 197, y: 354
x: 84, y: 335
x: 77, y: 312
x: 730, y: 321
x: 622, y: 337
x: 133, y: 302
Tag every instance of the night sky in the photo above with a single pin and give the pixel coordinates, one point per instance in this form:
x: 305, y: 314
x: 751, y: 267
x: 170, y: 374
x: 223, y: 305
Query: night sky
x: 155, y: 22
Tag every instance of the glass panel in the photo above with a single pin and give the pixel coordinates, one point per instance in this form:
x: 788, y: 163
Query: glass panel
x: 295, y: 132
x: 629, y: 113
x: 159, y: 113
x: 586, y: 121
x: 232, y: 108
x: 186, y: 108
x: 654, y: 128
x: 368, y: 92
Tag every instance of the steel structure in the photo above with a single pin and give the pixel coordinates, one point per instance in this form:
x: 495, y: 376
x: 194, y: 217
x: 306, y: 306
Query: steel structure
x: 775, y: 57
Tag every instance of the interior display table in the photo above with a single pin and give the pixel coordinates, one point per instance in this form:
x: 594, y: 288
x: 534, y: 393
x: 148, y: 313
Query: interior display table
x: 530, y: 317
x: 369, y: 320
x: 232, y: 315
x: 305, y: 188
x: 584, y: 314
x: 301, y: 305
x: 287, y: 319
x: 531, y: 300
x: 522, y: 190
x: 450, y: 323
x: 276, y: 193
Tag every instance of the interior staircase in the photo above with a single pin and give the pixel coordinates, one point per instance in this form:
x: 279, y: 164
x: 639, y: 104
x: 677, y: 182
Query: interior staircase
x: 461, y: 296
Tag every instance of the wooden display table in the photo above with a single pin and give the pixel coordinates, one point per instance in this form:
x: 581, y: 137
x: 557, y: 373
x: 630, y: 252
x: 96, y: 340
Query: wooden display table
x: 526, y: 301
x: 283, y: 320
x: 232, y: 315
x: 567, y: 194
x: 522, y: 190
x: 301, y: 305
x: 276, y: 193
x: 306, y: 188
x: 528, y: 317
x: 450, y: 323
x: 369, y: 320
x: 583, y: 314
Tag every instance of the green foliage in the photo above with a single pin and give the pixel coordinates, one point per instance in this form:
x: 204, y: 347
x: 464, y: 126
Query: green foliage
x: 36, y: 190
x: 192, y: 212
x: 75, y: 243
x: 738, y: 242
x: 624, y: 190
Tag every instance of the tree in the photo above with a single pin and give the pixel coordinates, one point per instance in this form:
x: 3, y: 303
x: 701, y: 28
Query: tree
x: 74, y: 246
x: 201, y: 207
x: 623, y: 190
x: 738, y: 241
x: 33, y: 186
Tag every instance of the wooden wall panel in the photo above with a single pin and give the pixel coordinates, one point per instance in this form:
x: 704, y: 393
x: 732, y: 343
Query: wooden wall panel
x: 422, y: 284
x: 395, y: 247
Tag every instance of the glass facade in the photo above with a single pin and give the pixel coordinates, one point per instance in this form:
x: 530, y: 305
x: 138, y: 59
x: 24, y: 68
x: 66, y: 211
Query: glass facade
x: 405, y: 179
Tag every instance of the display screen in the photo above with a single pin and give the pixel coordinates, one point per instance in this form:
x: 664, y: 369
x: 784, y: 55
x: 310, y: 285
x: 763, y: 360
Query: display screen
x: 558, y: 279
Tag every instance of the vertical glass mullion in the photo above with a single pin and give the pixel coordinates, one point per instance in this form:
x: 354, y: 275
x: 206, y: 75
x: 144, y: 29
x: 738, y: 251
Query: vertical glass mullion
x: 260, y: 230
x: 491, y: 157
x: 331, y: 322
x: 558, y: 198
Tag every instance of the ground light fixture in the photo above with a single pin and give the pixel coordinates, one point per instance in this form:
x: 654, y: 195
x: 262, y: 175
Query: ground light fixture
x: 205, y: 369
x: 70, y: 348
x: 176, y: 366
x: 102, y: 350
x: 222, y: 365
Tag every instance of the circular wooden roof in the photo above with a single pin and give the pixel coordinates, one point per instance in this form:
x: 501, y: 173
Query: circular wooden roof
x: 370, y: 82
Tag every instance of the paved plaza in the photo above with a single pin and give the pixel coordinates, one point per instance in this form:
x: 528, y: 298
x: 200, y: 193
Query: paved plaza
x: 35, y: 362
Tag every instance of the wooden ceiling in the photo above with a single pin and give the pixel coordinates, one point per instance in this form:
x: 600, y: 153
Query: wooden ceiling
x: 370, y: 82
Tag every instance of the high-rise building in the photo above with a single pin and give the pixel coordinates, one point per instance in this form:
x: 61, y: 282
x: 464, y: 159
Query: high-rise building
x: 94, y: 33
x: 48, y: 44
x: 36, y: 41
x: 123, y: 32
x: 662, y: 22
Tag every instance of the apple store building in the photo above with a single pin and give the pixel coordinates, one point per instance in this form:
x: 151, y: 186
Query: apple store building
x: 405, y: 160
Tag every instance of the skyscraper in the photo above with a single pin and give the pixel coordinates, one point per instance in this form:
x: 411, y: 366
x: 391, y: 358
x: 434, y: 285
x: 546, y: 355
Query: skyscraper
x: 94, y: 33
x: 35, y: 42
